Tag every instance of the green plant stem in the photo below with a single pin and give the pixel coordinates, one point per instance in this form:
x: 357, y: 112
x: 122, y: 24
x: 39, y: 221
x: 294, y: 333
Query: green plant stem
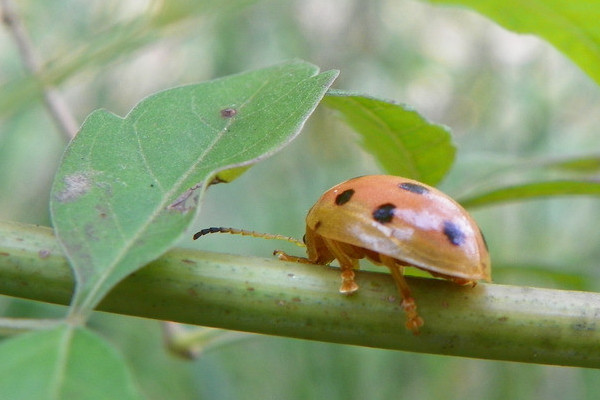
x: 268, y: 296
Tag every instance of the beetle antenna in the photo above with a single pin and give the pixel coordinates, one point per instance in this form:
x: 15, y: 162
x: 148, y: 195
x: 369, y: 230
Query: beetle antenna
x: 244, y: 232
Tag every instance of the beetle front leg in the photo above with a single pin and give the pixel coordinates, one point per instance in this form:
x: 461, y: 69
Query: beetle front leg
x: 283, y: 256
x: 347, y: 265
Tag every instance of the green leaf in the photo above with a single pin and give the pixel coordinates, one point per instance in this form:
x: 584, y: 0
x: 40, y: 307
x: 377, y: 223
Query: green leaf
x: 581, y: 165
x: 63, y: 363
x: 127, y: 188
x: 543, y: 275
x: 530, y: 191
x: 571, y: 26
x: 403, y: 142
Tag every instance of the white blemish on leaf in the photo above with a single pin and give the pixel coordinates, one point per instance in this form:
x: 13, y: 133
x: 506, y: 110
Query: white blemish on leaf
x: 76, y: 185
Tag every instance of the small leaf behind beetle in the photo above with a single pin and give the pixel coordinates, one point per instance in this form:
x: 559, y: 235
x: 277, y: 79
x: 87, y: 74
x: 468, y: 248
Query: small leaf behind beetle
x: 401, y: 140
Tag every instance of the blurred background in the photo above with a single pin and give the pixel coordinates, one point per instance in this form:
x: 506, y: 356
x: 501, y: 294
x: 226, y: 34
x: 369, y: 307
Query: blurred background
x: 512, y: 101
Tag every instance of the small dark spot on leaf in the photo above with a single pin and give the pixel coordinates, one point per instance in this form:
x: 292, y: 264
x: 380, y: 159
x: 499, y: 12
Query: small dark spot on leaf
x: 413, y: 187
x: 297, y: 299
x: 384, y: 213
x: 3, y: 253
x: 152, y: 185
x: 228, y: 112
x: 453, y: 233
x: 502, y: 319
x: 344, y: 197
x: 185, y: 260
x: 102, y: 210
x: 250, y: 289
x: 44, y: 253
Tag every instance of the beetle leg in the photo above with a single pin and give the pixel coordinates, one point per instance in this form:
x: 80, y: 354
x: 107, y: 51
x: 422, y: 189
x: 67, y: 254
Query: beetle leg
x: 458, y: 281
x: 283, y: 256
x: 329, y: 251
x: 347, y: 265
x: 414, y: 321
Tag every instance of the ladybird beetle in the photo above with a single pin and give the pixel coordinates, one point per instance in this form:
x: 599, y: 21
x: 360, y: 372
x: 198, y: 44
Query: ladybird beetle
x: 395, y: 222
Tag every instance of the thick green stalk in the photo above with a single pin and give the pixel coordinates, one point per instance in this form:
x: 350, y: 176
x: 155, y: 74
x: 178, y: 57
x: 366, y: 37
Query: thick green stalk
x: 269, y: 296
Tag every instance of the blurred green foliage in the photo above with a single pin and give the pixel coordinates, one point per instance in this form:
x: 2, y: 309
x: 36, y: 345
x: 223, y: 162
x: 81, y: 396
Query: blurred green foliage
x: 508, y: 99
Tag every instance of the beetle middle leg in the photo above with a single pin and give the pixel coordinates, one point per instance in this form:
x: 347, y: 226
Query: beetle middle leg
x: 414, y: 321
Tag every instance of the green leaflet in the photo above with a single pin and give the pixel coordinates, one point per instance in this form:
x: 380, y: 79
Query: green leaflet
x: 401, y: 140
x: 127, y: 188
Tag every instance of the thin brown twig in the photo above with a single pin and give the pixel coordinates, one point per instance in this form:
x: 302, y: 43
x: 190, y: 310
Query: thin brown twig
x: 54, y: 102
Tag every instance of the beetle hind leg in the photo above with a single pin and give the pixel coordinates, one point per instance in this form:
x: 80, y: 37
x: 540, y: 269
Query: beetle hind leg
x: 413, y: 320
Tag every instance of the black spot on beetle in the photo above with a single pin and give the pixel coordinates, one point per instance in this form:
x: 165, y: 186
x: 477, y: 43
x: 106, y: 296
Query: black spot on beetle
x: 344, y: 197
x: 228, y: 112
x: 413, y: 187
x: 384, y: 213
x: 453, y: 233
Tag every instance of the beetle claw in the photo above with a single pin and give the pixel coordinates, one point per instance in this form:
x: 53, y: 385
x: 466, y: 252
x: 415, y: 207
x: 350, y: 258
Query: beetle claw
x: 414, y: 325
x: 413, y: 320
x: 348, y: 286
x: 283, y: 256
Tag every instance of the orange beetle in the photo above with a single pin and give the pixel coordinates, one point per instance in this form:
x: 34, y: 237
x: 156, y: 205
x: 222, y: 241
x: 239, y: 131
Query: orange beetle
x: 396, y: 222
